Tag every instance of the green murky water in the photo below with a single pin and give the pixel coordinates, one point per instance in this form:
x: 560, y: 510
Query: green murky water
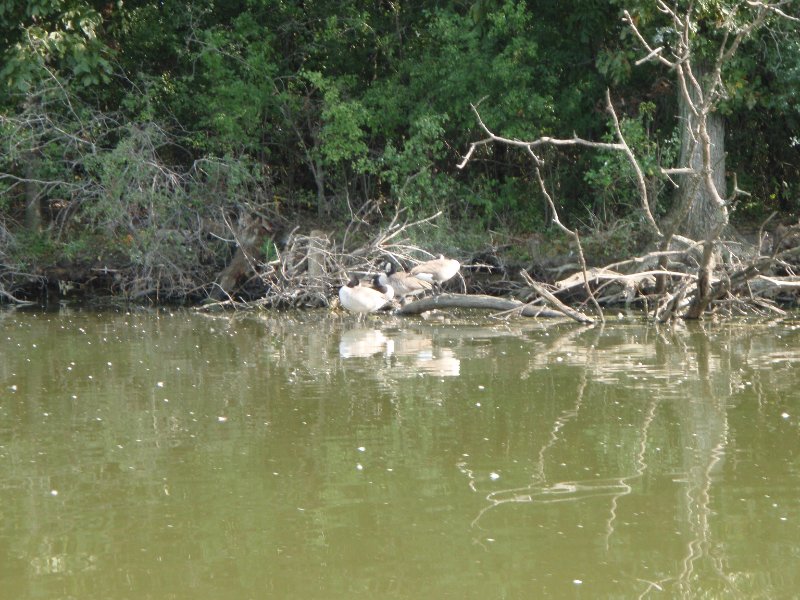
x: 157, y: 455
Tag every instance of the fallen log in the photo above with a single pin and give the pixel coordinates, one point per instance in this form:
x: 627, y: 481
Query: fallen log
x: 475, y: 301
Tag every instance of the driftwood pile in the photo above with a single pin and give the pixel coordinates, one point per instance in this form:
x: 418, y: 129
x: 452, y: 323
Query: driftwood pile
x: 747, y: 278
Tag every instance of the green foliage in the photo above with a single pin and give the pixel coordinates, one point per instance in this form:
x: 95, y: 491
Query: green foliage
x: 32, y: 248
x: 513, y: 204
x: 616, y: 64
x: 410, y: 171
x: 77, y: 248
x: 764, y: 151
x: 612, y: 177
x: 172, y: 112
x: 341, y: 135
x: 268, y: 250
x: 460, y: 64
x: 120, y: 201
x: 59, y: 35
x: 609, y: 242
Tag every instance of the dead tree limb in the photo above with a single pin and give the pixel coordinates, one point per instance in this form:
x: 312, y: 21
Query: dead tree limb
x: 701, y: 96
x: 576, y: 238
x: 555, y: 302
x: 474, y: 301
x: 529, y: 147
x: 14, y: 299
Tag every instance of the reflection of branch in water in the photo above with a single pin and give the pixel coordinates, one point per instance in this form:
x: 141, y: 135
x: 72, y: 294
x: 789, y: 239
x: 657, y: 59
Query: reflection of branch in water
x: 709, y: 451
x: 639, y: 469
x: 569, y: 414
x: 717, y: 453
x: 564, y: 491
x: 561, y: 421
x: 699, y: 508
x: 462, y: 466
x: 538, y: 476
x: 651, y: 585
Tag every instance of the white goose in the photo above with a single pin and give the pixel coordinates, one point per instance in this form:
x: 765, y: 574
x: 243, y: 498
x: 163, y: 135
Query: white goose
x: 379, y: 285
x: 359, y: 299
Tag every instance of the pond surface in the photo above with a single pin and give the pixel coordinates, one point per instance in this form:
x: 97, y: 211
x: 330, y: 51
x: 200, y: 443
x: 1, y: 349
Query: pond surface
x: 306, y: 455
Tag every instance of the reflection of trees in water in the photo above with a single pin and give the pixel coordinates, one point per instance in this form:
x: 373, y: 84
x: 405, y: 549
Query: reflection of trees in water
x: 707, y: 425
x: 659, y: 404
x: 678, y: 385
x: 697, y: 374
x: 699, y: 371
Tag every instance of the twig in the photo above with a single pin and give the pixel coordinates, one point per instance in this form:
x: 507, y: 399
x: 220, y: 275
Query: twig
x: 555, y: 302
x: 640, y: 183
x: 574, y: 235
x: 14, y: 299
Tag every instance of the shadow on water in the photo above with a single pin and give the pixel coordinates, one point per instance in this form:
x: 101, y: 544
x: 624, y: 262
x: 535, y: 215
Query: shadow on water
x: 309, y: 455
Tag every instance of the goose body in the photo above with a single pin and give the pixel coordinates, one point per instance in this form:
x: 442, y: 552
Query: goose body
x: 437, y: 270
x: 404, y: 284
x: 379, y: 285
x: 360, y: 299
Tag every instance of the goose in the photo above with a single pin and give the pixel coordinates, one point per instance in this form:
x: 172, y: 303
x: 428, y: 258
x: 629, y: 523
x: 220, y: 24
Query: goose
x: 380, y: 286
x: 360, y: 299
x: 404, y: 284
x: 437, y: 271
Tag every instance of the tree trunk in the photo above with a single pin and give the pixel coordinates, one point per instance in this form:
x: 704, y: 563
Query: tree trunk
x: 33, y: 210
x: 475, y: 301
x: 249, y: 239
x: 319, y: 178
x: 696, y: 208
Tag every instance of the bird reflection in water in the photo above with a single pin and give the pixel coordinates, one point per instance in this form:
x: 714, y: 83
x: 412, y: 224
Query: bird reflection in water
x: 362, y: 343
x: 412, y: 353
x: 443, y: 363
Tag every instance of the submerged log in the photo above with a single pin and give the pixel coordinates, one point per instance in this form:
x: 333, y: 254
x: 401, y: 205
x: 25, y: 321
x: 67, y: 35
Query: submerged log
x: 474, y: 301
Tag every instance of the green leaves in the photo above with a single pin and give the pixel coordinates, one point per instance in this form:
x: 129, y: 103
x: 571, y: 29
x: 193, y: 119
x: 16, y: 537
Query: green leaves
x: 367, y: 101
x: 342, y: 135
x: 611, y: 177
x: 52, y: 35
x: 615, y: 64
